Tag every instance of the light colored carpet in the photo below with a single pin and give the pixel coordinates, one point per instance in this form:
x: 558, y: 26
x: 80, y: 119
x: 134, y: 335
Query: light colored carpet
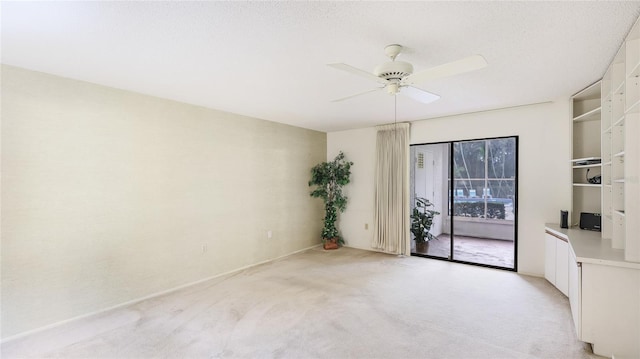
x: 331, y: 304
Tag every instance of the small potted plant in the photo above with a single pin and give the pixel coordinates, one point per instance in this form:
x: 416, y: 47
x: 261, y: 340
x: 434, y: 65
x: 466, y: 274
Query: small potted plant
x: 329, y: 178
x: 421, y: 222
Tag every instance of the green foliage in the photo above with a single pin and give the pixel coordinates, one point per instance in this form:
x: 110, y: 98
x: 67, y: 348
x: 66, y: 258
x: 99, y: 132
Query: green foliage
x: 493, y: 159
x: 422, y: 220
x: 329, y: 178
x: 476, y: 209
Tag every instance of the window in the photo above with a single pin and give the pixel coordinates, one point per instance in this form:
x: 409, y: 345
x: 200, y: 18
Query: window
x: 484, y: 175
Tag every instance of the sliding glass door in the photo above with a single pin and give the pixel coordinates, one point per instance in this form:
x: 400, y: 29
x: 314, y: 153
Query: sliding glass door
x: 470, y: 188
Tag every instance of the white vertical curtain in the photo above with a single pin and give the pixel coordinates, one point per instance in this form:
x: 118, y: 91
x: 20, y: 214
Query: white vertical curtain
x: 391, y: 222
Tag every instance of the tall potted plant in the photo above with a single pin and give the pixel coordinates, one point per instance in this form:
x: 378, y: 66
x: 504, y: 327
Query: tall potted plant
x: 329, y: 178
x: 421, y: 222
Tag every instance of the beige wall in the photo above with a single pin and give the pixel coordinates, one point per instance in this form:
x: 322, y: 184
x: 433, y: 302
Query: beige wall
x: 109, y: 196
x: 544, y: 132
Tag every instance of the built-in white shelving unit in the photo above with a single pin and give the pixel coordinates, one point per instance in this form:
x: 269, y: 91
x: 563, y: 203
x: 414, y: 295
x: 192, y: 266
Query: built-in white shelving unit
x: 587, y: 160
x: 603, y: 268
x: 620, y: 134
x: 606, y: 126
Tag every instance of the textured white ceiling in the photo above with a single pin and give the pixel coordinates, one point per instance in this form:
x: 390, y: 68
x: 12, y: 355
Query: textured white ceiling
x: 268, y: 59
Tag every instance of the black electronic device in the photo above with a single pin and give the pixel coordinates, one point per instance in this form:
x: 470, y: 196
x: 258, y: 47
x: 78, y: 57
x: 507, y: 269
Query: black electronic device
x: 587, y: 161
x: 564, y: 219
x: 595, y: 179
x: 590, y: 221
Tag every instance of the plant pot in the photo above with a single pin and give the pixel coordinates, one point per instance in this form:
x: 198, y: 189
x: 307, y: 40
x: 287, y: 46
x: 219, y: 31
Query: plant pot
x: 422, y: 247
x: 331, y: 243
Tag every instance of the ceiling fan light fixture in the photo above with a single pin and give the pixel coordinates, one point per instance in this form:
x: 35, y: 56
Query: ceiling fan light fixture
x: 393, y: 88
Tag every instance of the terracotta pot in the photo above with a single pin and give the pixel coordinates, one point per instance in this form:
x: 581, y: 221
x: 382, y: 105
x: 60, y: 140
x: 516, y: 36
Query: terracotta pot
x: 331, y: 243
x: 422, y: 247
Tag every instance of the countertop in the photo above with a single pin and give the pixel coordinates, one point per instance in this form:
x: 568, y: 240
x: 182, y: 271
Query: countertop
x: 589, y: 247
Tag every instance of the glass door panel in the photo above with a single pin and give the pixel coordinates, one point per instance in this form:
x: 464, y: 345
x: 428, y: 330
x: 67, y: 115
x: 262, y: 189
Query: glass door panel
x: 484, y: 185
x: 430, y: 200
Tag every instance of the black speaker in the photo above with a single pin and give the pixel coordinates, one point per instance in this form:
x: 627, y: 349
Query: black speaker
x: 564, y: 219
x: 590, y: 221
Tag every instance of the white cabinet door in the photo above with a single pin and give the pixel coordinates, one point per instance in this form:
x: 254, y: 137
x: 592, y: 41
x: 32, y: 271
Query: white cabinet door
x: 611, y: 310
x: 550, y: 258
x: 575, y: 292
x: 562, y: 266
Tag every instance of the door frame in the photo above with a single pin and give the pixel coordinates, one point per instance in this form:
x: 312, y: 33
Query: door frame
x: 450, y: 202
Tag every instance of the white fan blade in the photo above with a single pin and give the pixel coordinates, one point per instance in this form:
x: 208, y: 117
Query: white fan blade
x: 358, y: 94
x: 467, y: 64
x: 418, y: 94
x: 356, y: 71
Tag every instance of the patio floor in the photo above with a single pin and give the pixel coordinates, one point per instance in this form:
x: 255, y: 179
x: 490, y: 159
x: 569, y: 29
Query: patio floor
x: 494, y: 252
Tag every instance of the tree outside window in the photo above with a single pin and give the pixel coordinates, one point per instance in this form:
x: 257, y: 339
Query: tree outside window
x: 484, y: 175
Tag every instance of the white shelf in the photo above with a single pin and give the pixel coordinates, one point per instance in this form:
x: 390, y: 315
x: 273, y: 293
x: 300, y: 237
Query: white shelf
x: 619, y: 213
x: 619, y: 121
x: 632, y: 55
x: 633, y: 108
x: 618, y: 89
x: 619, y: 154
x: 635, y: 71
x: 607, y: 163
x: 586, y: 185
x: 621, y: 180
x: 588, y: 166
x: 589, y: 93
x: 586, y: 159
x: 589, y: 116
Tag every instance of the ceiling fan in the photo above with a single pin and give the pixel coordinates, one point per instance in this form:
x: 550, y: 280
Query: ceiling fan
x: 398, y: 77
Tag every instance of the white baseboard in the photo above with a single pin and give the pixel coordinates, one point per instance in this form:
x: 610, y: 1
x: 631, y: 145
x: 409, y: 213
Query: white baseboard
x: 530, y: 274
x: 137, y: 300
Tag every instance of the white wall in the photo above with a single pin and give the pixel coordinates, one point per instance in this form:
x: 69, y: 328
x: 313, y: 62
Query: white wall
x: 359, y: 146
x: 544, y: 132
x: 109, y: 196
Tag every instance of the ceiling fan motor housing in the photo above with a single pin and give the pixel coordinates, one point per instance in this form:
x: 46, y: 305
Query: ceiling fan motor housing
x: 394, y: 70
